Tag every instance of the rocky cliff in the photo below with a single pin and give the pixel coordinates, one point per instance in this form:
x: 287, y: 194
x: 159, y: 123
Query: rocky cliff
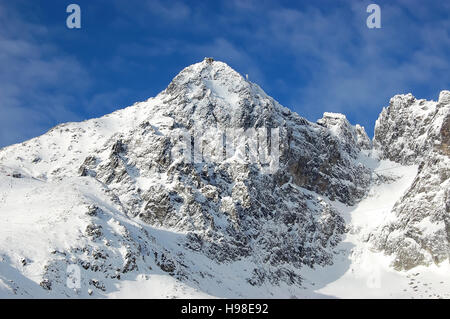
x: 412, y: 131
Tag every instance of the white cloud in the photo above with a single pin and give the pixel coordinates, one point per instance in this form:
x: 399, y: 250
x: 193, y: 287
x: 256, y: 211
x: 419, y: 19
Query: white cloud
x: 30, y: 71
x: 144, y: 11
x: 169, y: 10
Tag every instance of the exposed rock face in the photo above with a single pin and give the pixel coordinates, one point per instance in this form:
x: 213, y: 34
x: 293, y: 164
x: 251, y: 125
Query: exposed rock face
x: 417, y: 131
x: 409, y: 129
x: 363, y: 141
x: 348, y: 135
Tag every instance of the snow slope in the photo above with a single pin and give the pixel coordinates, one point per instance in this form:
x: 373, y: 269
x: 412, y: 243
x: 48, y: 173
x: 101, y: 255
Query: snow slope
x: 362, y: 272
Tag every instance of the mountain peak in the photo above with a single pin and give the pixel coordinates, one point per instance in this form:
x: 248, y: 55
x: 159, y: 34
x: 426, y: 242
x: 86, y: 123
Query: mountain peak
x: 408, y: 128
x: 444, y: 97
x: 208, y: 70
x: 208, y: 60
x: 212, y: 93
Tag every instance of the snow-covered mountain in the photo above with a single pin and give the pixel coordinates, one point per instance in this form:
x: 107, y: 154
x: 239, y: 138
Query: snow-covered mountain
x: 417, y: 132
x: 164, y: 199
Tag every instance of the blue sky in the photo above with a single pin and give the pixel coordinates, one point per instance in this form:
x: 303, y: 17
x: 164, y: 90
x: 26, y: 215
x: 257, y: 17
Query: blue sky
x: 311, y: 56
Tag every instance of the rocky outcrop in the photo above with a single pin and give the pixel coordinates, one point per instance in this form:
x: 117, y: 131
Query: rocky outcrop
x: 409, y: 129
x: 414, y: 131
